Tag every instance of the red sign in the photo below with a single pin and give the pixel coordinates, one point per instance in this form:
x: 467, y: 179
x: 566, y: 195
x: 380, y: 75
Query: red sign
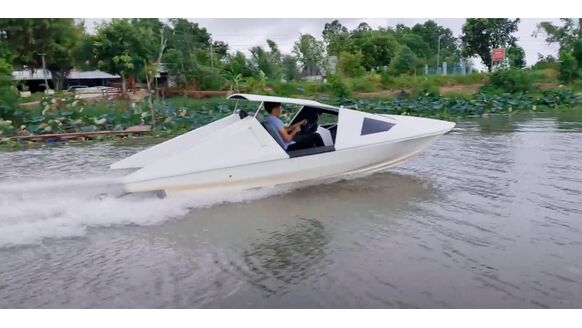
x: 498, y: 54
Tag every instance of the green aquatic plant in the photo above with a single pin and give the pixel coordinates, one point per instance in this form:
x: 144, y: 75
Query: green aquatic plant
x: 181, y: 114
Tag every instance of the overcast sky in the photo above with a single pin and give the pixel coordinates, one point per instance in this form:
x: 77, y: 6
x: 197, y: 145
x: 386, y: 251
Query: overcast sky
x: 244, y: 33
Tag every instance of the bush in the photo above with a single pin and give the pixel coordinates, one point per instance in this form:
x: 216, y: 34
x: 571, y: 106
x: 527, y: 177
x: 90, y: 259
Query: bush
x: 285, y: 89
x: 510, y: 80
x: 253, y: 85
x: 375, y: 79
x: 292, y: 88
x: 568, y: 67
x: 316, y: 87
x: 361, y: 85
x: 548, y: 62
x: 425, y: 89
x: 350, y: 65
x: 8, y: 92
x: 545, y: 75
x: 339, y: 88
x: 472, y: 78
x: 387, y: 80
x: 209, y: 79
x: 404, y: 62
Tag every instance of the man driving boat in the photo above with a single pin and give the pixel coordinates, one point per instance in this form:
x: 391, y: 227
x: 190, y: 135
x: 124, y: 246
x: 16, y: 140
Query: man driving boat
x: 290, y: 138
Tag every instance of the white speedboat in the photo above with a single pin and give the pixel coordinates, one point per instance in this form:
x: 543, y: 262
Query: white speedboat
x: 241, y: 151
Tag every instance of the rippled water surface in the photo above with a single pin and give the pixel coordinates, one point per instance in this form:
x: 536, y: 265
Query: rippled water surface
x: 489, y: 216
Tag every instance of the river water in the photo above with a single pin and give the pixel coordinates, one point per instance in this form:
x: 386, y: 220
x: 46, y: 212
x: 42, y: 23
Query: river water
x: 489, y: 217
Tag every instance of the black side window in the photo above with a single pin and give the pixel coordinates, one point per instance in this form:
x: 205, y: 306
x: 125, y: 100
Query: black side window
x: 371, y: 126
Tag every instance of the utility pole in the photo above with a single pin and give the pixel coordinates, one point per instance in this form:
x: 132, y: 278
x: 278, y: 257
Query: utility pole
x: 44, y: 73
x: 211, y: 57
x: 439, y: 50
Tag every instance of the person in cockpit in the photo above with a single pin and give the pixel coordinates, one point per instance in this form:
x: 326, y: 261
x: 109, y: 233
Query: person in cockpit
x: 289, y: 135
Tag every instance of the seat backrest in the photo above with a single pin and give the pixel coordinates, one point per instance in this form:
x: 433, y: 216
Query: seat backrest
x: 274, y: 133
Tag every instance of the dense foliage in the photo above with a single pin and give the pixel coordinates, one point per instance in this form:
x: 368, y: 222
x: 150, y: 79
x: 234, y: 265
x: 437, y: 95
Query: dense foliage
x: 181, y: 114
x: 569, y: 37
x: 386, y: 63
x: 481, y: 35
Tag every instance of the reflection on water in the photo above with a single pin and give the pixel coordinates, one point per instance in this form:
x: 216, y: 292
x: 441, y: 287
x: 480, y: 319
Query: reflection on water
x: 284, y: 257
x: 490, y: 216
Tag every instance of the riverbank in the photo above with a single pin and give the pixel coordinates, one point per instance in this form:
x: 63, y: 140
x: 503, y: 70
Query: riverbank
x: 174, y: 116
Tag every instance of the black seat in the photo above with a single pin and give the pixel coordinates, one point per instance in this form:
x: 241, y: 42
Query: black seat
x: 242, y: 114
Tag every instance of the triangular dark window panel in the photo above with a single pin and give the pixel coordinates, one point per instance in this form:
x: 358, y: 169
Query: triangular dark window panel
x: 371, y: 126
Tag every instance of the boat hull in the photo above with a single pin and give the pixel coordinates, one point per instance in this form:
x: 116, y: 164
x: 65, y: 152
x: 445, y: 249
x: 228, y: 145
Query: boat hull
x: 340, y: 163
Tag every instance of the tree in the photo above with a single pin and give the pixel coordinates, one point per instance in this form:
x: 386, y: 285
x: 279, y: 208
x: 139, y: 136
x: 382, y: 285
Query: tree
x: 267, y: 62
x: 238, y: 64
x: 548, y: 61
x: 430, y: 31
x: 290, y: 70
x: 481, y: 35
x: 362, y: 28
x: 123, y: 48
x: 416, y: 44
x: 577, y: 51
x: 275, y: 53
x: 187, y: 36
x: 350, y: 65
x: 310, y: 53
x: 188, y: 51
x: 220, y: 49
x: 8, y: 93
x: 568, y: 67
x: 56, y: 38
x: 5, y: 52
x: 377, y: 47
x: 181, y: 66
x: 65, y: 38
x: 569, y: 37
x: 565, y: 35
x: 404, y: 61
x: 515, y: 57
x: 83, y: 54
x: 335, y: 37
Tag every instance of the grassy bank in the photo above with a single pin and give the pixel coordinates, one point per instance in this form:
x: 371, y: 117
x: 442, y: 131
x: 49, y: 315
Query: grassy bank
x: 503, y: 92
x: 390, y: 86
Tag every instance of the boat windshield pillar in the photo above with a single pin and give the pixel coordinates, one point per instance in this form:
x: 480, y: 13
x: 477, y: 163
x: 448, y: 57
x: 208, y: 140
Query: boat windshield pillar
x: 259, y: 108
x: 235, y: 107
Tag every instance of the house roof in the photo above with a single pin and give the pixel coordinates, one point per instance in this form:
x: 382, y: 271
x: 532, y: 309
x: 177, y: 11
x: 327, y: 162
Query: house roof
x: 78, y: 75
x: 39, y: 74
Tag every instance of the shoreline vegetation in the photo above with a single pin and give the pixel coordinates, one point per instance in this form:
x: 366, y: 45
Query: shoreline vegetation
x: 442, y: 97
x: 177, y: 115
x: 388, y: 70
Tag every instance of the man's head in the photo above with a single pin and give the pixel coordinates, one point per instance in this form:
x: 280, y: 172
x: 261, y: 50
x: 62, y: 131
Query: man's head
x: 273, y: 108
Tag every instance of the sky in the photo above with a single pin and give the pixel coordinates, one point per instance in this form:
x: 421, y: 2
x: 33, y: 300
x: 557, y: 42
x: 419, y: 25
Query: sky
x: 244, y: 33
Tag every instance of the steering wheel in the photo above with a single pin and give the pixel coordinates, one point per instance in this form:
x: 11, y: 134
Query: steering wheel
x: 310, y: 126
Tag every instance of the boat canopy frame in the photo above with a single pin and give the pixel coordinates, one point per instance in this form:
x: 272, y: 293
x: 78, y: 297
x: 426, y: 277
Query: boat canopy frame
x: 305, y: 103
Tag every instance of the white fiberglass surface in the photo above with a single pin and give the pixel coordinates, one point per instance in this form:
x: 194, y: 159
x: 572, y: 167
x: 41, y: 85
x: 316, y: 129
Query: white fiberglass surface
x: 244, y: 142
x: 174, y: 145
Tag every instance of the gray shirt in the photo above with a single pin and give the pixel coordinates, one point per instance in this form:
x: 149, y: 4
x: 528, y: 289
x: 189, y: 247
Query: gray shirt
x: 278, y: 124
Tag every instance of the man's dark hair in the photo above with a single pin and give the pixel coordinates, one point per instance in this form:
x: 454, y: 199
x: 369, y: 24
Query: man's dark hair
x: 269, y: 106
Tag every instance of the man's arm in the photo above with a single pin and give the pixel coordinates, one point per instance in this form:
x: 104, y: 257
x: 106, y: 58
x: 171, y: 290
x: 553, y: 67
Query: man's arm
x: 294, y: 126
x: 288, y: 136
